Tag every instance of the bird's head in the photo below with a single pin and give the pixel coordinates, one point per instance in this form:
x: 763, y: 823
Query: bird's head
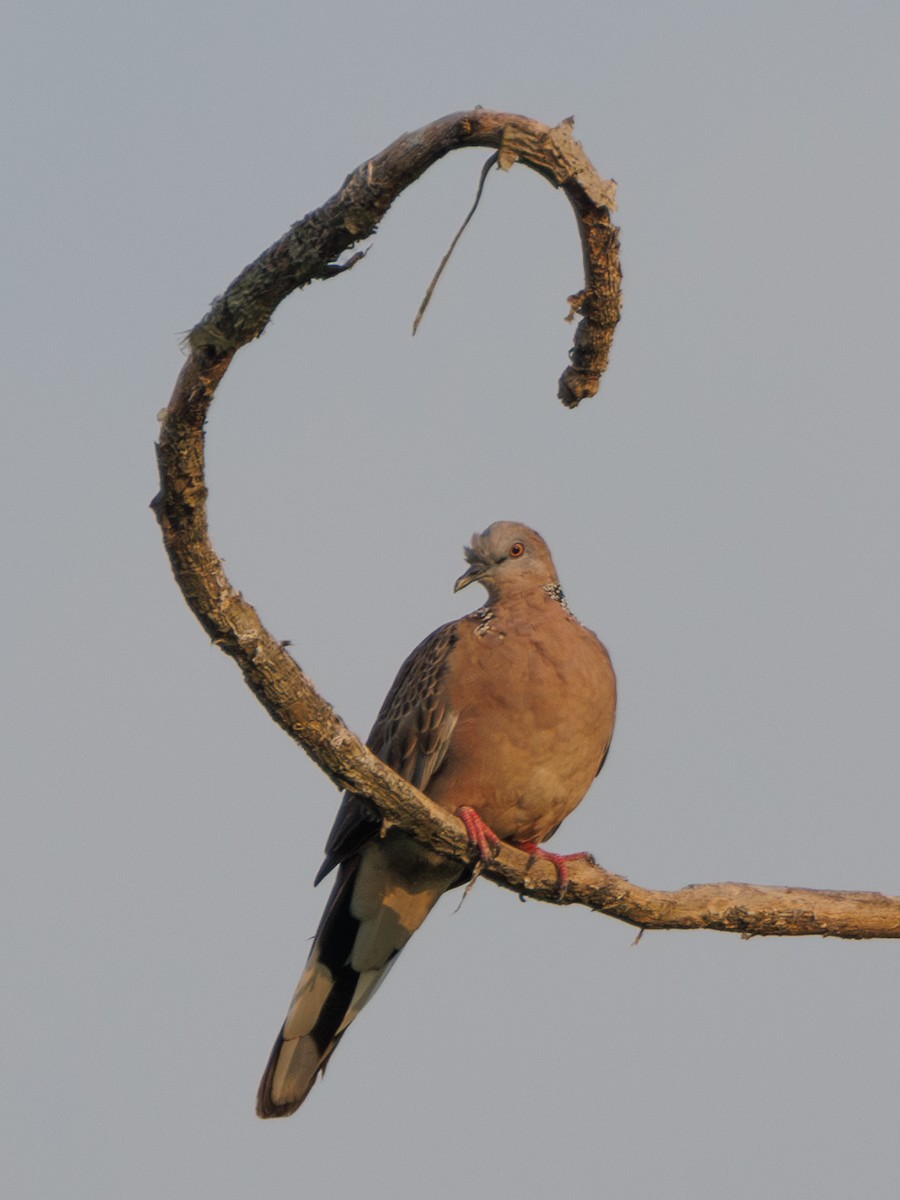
x: 508, y: 559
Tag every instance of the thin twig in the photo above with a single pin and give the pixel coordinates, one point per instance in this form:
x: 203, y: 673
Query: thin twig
x: 427, y: 298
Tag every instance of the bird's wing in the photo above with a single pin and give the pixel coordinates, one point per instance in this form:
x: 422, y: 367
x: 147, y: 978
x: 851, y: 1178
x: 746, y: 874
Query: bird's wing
x: 411, y: 735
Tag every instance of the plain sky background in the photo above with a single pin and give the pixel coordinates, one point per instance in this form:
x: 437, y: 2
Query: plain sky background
x: 724, y: 514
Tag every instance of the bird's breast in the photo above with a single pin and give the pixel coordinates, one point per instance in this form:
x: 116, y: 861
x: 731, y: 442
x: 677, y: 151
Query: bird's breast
x: 535, y: 705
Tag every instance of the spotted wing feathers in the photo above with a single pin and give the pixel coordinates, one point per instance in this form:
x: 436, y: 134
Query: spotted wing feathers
x: 411, y: 734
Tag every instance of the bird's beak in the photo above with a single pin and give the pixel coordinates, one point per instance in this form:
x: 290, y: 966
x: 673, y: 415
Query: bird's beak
x: 474, y: 572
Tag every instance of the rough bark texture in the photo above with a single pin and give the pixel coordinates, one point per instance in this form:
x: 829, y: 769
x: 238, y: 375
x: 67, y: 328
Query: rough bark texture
x: 309, y: 250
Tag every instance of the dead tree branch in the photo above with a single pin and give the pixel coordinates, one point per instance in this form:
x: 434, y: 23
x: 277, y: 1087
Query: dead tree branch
x: 310, y: 250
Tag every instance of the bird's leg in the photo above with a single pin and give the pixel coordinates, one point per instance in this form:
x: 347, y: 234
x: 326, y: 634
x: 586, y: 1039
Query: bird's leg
x: 481, y: 836
x: 486, y: 843
x: 559, y: 861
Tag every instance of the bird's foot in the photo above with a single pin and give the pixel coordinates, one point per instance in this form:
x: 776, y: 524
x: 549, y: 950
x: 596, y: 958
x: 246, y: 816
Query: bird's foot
x: 481, y: 837
x: 560, y: 861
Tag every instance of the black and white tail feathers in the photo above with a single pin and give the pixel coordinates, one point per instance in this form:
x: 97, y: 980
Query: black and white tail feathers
x: 380, y: 898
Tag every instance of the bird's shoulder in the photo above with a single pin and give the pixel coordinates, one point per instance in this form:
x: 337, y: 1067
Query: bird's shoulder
x: 416, y: 690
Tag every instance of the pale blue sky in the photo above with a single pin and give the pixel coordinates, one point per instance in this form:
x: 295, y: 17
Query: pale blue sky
x: 724, y: 514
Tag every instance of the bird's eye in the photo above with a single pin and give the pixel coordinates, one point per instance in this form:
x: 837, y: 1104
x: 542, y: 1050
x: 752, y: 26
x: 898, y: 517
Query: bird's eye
x: 516, y: 550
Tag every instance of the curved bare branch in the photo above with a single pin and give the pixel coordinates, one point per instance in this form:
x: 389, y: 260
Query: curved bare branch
x: 311, y: 250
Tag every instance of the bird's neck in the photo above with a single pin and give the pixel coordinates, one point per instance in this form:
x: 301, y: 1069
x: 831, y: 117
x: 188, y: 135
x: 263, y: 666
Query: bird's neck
x: 534, y: 595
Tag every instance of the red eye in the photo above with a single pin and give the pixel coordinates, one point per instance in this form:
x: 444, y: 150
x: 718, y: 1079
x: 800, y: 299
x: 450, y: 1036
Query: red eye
x: 516, y: 550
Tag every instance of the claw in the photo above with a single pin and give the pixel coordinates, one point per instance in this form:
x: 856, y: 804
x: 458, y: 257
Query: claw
x: 481, y: 836
x: 559, y: 861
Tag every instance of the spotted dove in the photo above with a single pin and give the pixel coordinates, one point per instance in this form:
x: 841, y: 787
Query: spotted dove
x: 505, y: 717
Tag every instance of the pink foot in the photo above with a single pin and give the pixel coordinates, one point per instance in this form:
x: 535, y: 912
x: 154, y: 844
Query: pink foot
x: 481, y: 836
x: 559, y: 861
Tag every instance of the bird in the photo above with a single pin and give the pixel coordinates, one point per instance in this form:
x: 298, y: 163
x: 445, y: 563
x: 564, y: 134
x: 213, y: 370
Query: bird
x: 503, y: 717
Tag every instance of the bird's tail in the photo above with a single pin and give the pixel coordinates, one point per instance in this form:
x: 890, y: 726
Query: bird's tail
x: 379, y: 900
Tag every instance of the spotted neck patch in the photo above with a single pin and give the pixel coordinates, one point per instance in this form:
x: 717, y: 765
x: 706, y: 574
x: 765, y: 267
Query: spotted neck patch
x: 555, y: 592
x: 483, y: 617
